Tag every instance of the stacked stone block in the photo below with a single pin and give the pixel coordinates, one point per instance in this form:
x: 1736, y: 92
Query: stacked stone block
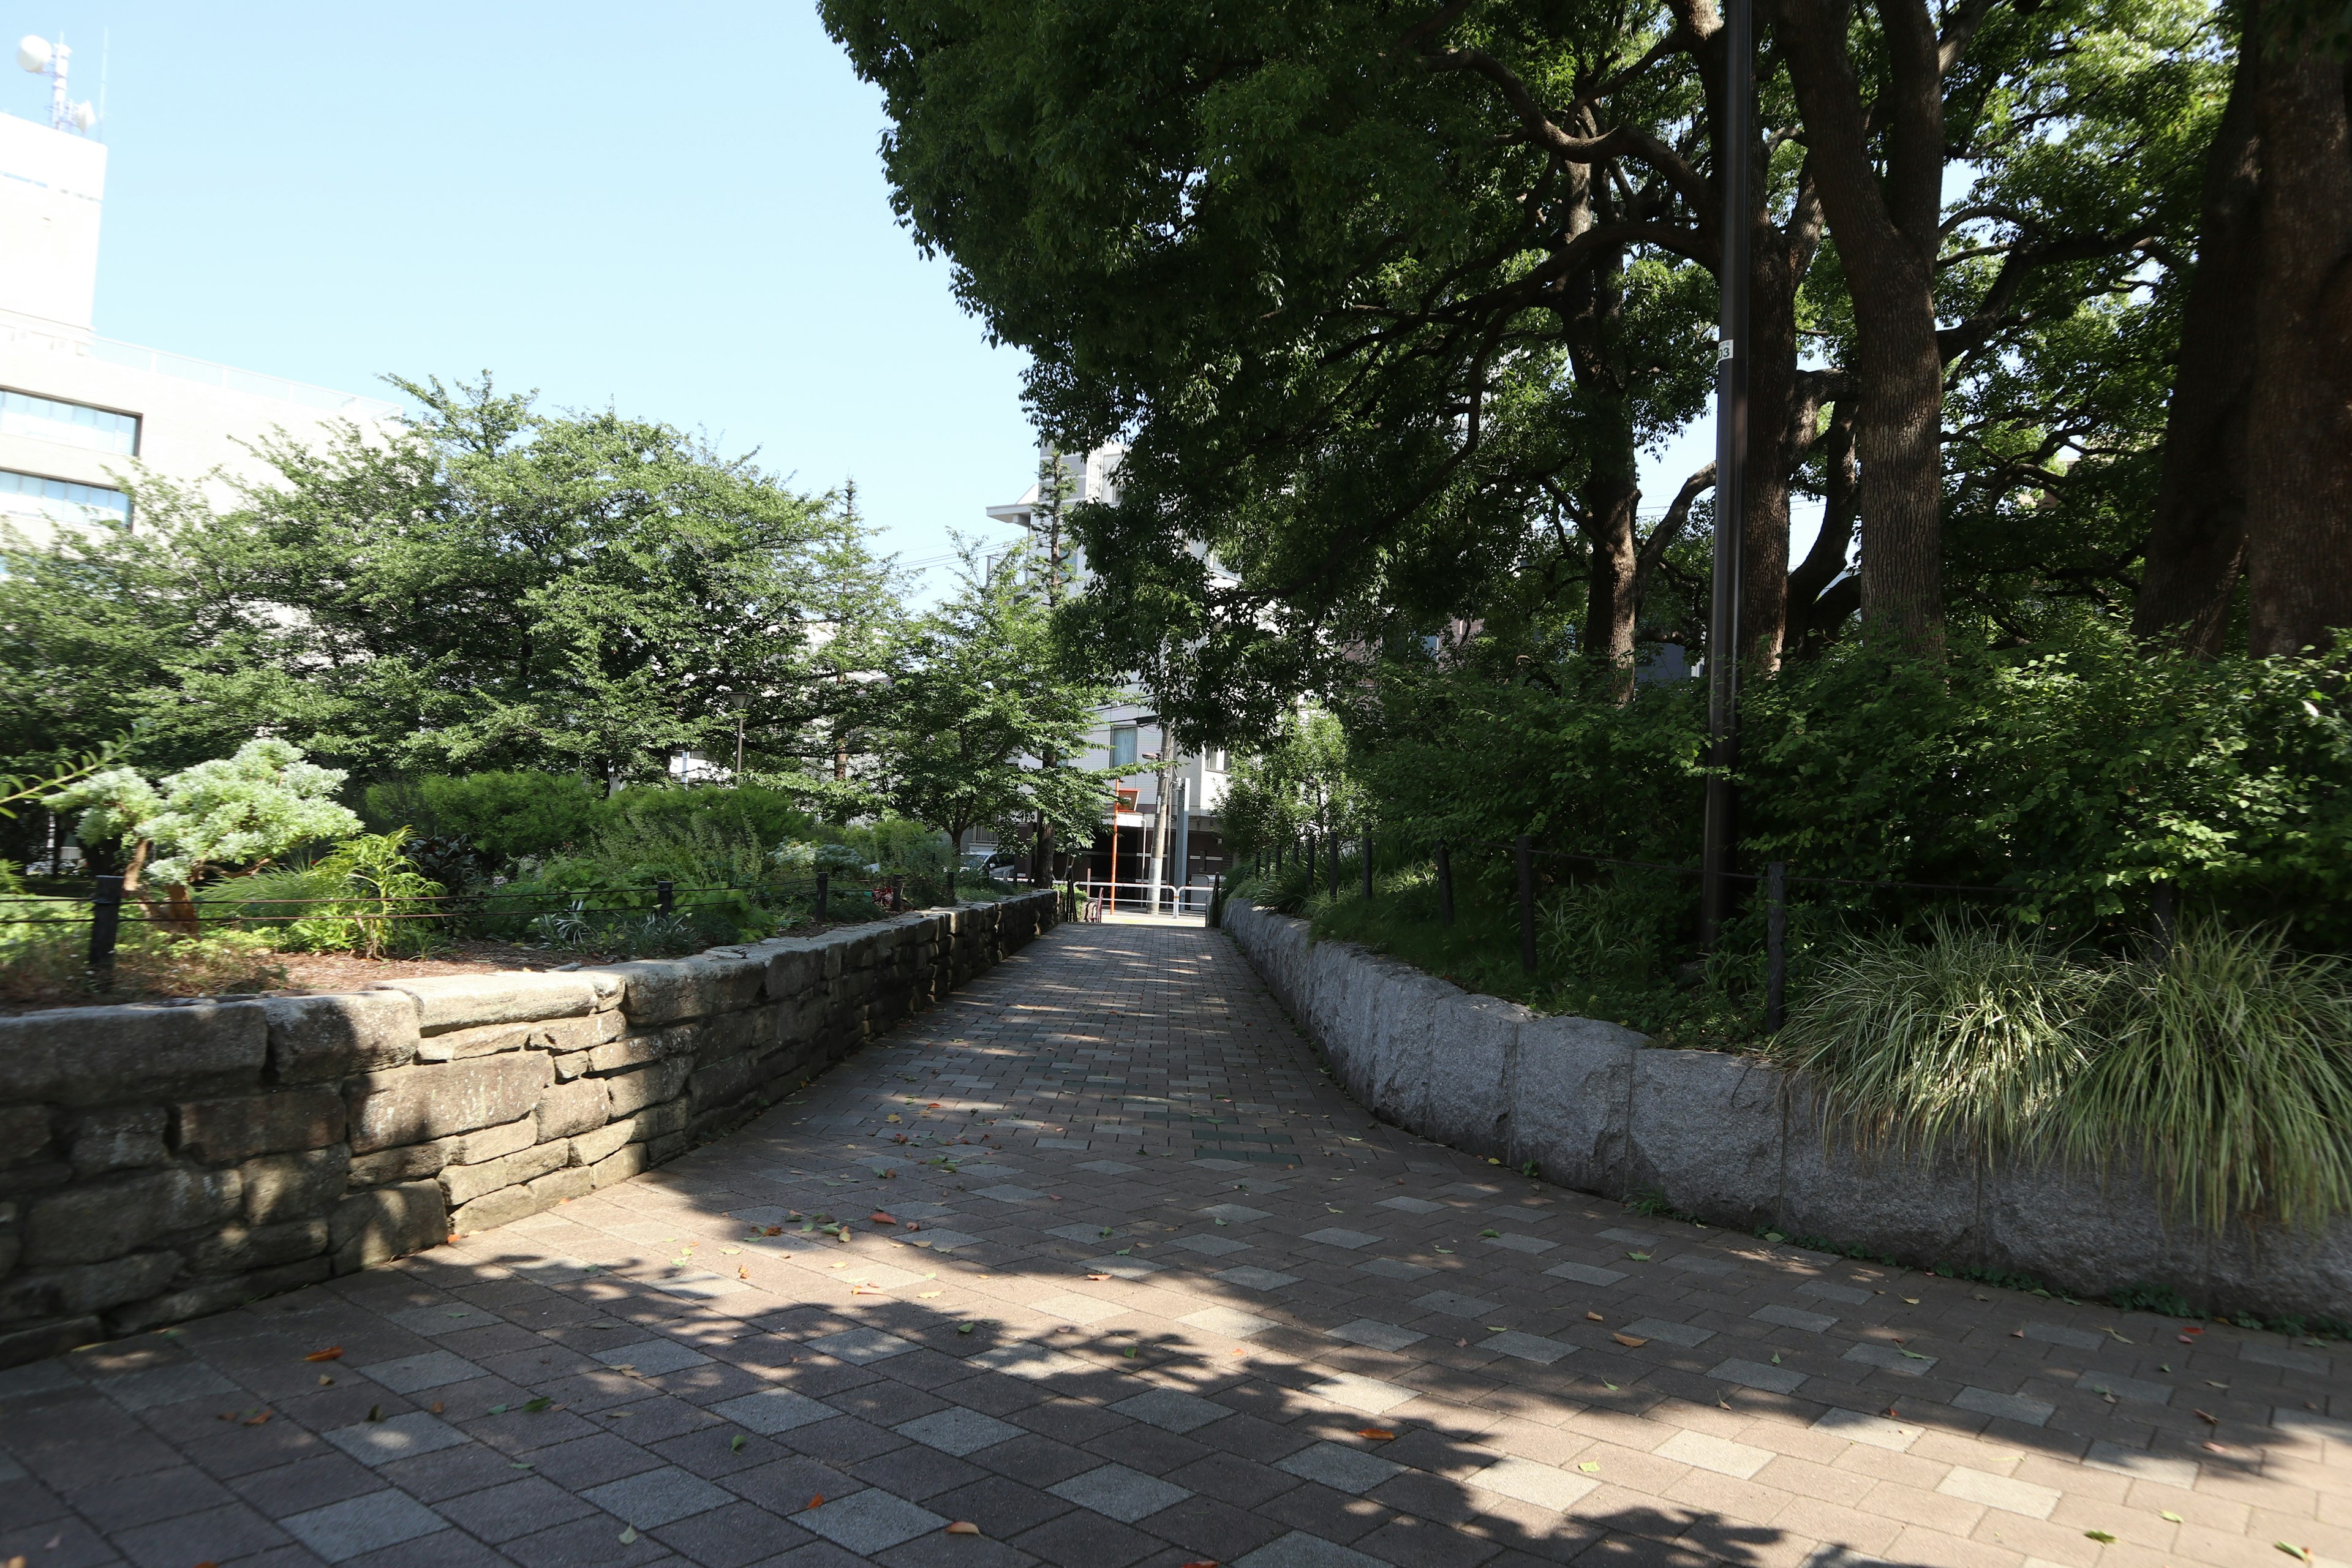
x: 1729, y: 1140
x: 158, y: 1163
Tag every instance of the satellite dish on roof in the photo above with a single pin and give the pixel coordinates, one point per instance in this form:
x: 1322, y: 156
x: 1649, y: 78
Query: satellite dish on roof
x: 84, y: 116
x: 33, y: 52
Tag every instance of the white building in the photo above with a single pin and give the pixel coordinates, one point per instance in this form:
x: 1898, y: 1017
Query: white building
x: 1130, y: 741
x: 79, y: 412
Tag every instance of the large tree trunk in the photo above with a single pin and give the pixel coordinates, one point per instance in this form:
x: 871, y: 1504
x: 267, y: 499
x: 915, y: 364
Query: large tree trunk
x: 2197, y: 538
x: 1612, y: 587
x: 1771, y: 350
x: 1886, y: 234
x: 2299, y: 434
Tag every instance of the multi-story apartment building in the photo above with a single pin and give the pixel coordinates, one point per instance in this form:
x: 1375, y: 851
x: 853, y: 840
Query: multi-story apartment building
x: 80, y: 414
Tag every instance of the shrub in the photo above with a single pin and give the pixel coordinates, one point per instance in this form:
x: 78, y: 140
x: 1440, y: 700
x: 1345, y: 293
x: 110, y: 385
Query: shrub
x: 504, y: 815
x: 363, y: 896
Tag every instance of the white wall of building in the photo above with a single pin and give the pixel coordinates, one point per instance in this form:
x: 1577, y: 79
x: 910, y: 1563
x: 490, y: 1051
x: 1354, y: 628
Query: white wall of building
x: 81, y: 413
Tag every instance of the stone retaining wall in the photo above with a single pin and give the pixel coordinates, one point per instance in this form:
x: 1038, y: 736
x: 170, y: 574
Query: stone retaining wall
x: 158, y: 1163
x: 1737, y: 1143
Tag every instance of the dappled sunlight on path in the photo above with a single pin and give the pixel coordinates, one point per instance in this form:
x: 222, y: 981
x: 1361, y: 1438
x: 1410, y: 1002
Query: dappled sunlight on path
x: 1127, y: 1280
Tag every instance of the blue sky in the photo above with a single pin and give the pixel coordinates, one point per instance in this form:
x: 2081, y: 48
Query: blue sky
x: 676, y: 211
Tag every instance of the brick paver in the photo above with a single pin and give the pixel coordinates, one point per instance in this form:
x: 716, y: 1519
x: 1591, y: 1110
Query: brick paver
x: 1158, y: 1294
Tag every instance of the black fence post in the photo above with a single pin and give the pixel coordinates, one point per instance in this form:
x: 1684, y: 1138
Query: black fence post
x: 1332, y: 856
x: 824, y: 892
x: 897, y: 895
x: 1525, y: 850
x: 1311, y: 863
x: 1444, y: 884
x: 105, y: 924
x: 665, y: 897
x: 952, y: 880
x: 1367, y: 865
x: 1776, y: 941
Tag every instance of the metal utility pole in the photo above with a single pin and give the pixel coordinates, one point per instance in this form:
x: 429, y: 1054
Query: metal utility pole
x: 1721, y: 823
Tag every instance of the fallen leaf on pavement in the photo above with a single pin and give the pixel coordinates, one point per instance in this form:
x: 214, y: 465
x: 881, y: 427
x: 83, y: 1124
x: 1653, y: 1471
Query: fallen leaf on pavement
x: 2208, y: 1418
x: 2100, y: 1536
x: 1639, y: 1257
x: 537, y: 1405
x: 333, y: 1353
x: 963, y: 1526
x: 628, y: 1535
x: 965, y: 1328
x: 928, y: 1295
x: 1590, y: 1467
x: 2119, y: 1336
x: 2170, y: 1517
x: 257, y: 1420
x: 375, y: 1412
x: 735, y: 1444
x: 2302, y: 1551
x: 1595, y: 1317
x: 1377, y: 1434
x: 878, y: 1217
x: 1631, y: 1341
x: 437, y: 1407
x: 817, y: 1501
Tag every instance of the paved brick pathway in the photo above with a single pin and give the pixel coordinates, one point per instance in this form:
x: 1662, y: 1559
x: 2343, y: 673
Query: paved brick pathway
x: 1172, y: 1299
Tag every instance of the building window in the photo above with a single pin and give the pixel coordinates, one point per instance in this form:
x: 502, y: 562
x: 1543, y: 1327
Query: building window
x: 69, y: 424
x: 31, y: 497
x: 1216, y: 761
x: 1122, y: 746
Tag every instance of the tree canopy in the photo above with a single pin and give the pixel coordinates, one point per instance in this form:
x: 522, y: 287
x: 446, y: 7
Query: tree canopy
x: 489, y: 586
x: 1387, y: 298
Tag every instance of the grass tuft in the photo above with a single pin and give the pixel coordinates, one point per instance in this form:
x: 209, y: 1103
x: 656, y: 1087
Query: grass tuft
x: 1969, y: 1038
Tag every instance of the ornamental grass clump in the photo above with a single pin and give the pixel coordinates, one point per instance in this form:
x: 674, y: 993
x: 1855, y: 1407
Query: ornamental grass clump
x: 2220, y: 1068
x: 2225, y: 1070
x: 1969, y: 1038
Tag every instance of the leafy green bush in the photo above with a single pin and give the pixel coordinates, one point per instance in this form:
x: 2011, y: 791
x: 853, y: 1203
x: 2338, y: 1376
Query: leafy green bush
x: 2072, y: 780
x: 504, y: 815
x: 363, y: 896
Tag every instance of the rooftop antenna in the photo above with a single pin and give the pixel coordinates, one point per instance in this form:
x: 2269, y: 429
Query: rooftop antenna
x: 41, y: 57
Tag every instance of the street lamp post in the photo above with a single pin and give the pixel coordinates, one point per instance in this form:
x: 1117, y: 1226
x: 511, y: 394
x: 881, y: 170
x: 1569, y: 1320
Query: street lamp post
x: 1720, y: 824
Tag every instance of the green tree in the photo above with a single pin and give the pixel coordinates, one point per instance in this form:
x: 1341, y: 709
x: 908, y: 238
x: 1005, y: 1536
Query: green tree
x: 243, y: 812
x: 485, y: 587
x: 1298, y: 782
x: 967, y: 723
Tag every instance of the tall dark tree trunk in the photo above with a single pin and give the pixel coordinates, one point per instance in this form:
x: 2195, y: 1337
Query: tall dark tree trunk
x: 1771, y: 350
x: 1612, y: 588
x: 2196, y: 542
x: 1886, y: 226
x: 1611, y: 492
x: 2299, y: 430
